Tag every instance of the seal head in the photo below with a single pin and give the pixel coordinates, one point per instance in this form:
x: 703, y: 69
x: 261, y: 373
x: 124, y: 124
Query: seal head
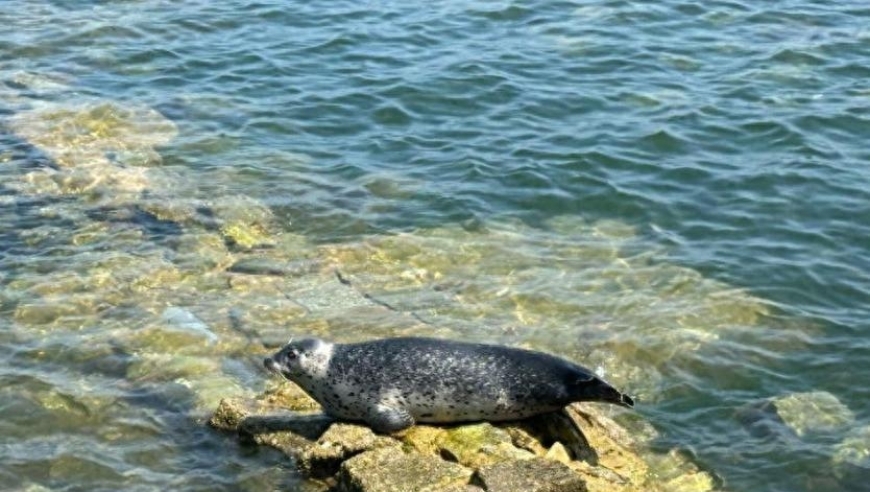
x: 301, y: 359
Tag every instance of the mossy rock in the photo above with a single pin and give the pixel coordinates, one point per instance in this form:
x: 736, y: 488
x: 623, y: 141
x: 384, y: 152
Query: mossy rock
x: 392, y: 470
x: 532, y: 475
x: 78, y: 134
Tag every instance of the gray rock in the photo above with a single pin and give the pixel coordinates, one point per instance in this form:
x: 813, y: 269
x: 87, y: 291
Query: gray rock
x: 339, y: 443
x: 290, y: 432
x: 392, y: 470
x: 534, y: 475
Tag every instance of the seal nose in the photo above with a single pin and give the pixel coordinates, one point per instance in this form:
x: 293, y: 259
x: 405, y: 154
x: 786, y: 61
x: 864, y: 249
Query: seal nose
x: 270, y: 364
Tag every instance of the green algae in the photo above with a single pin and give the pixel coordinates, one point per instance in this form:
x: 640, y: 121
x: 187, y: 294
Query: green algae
x: 245, y: 236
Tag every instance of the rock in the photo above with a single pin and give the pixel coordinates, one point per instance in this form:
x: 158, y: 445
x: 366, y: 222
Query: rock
x: 523, y: 439
x: 253, y: 418
x: 268, y: 266
x: 690, y: 482
x: 601, y: 479
x: 557, y: 452
x: 814, y: 411
x: 851, y: 460
x: 471, y: 445
x: 392, y: 470
x: 504, y: 456
x: 48, y: 312
x: 480, y: 444
x: 796, y: 414
x: 678, y: 474
x: 231, y: 412
x: 245, y: 236
x: 82, y: 134
x: 340, y: 442
x: 558, y: 426
x: 163, y: 366
x: 290, y: 396
x: 533, y: 475
x: 184, y: 320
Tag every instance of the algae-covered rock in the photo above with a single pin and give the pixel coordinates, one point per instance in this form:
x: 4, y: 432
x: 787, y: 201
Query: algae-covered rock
x: 532, y: 475
x: 245, y: 236
x: 609, y: 445
x: 392, y: 470
x: 209, y: 389
x: 232, y: 411
x: 245, y: 223
x: 851, y: 460
x: 471, y: 445
x: 678, y: 473
x: 476, y: 445
x: 167, y: 366
x: 83, y: 134
x: 814, y: 411
x: 58, y: 308
x: 290, y: 432
x: 439, y: 458
x: 339, y: 443
x: 288, y: 395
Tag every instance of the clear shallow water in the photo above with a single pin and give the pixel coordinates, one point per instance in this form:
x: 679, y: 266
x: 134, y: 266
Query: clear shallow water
x: 709, y: 151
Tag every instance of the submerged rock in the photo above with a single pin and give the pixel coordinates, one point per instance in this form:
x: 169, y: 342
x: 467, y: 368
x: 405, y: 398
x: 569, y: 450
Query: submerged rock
x: 798, y: 413
x: 183, y: 320
x: 546, y: 288
x: 851, y: 460
x: 85, y: 134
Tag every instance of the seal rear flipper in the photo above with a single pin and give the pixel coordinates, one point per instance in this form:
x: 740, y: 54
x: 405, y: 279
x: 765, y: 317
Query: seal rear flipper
x: 594, y: 389
x: 386, y: 419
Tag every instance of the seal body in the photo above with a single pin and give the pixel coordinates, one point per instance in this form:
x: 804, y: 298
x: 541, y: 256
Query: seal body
x: 392, y: 383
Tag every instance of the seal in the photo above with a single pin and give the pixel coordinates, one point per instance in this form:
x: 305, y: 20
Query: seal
x: 390, y: 384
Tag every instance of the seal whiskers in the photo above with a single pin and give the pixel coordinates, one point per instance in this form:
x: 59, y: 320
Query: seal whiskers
x: 392, y: 383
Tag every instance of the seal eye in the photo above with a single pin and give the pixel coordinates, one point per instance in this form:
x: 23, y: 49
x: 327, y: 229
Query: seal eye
x: 292, y: 354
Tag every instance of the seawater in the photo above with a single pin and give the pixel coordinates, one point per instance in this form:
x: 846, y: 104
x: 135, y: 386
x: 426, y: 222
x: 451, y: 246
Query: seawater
x: 674, y: 193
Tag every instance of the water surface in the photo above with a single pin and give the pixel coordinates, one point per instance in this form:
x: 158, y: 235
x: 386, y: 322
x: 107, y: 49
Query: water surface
x: 676, y: 194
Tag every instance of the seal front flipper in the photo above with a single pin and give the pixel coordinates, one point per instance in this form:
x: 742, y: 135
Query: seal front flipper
x: 386, y: 419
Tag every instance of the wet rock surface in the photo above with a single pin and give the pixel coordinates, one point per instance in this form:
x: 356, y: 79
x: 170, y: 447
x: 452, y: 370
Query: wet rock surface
x: 577, y: 449
x: 533, y: 475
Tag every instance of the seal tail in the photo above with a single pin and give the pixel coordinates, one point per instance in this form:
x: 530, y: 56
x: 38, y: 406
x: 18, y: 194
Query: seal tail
x: 594, y: 389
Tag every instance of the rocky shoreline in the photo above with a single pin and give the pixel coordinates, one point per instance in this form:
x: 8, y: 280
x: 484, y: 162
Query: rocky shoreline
x: 578, y: 449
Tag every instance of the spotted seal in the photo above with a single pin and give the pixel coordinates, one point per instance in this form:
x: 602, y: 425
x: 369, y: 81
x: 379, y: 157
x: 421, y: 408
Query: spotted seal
x: 392, y: 383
